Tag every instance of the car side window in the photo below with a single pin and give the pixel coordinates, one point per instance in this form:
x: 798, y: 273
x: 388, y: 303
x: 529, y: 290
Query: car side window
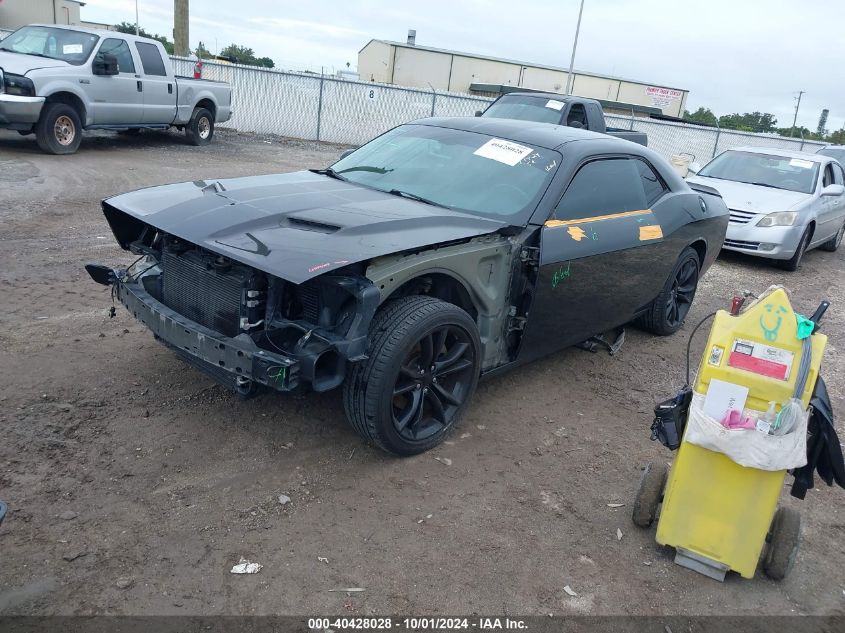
x: 578, y: 115
x: 827, y: 179
x: 602, y: 187
x: 653, y: 185
x: 120, y: 49
x: 838, y: 175
x: 151, y: 59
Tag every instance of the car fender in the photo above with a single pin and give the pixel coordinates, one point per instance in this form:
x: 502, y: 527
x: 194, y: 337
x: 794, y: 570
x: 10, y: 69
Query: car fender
x: 56, y: 85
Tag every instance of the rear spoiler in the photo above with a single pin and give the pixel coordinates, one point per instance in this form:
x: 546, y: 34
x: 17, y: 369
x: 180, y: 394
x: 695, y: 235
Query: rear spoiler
x: 704, y: 189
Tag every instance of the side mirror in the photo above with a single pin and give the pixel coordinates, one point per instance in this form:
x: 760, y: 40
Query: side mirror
x: 693, y: 168
x: 346, y: 153
x: 478, y: 113
x: 105, y: 64
x: 833, y: 190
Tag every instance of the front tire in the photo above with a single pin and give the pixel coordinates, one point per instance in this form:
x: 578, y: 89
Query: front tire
x: 649, y: 495
x: 783, y: 548
x: 833, y: 243
x: 794, y: 262
x: 59, y: 130
x: 423, y: 367
x: 200, y: 129
x: 667, y: 312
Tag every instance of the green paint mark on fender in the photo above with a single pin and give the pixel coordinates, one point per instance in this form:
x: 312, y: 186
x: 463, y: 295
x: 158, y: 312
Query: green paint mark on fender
x: 561, y: 274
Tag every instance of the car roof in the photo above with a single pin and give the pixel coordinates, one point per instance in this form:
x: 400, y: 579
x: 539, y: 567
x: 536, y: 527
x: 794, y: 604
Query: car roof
x: 100, y: 32
x: 548, y: 135
x: 548, y: 95
x: 785, y: 153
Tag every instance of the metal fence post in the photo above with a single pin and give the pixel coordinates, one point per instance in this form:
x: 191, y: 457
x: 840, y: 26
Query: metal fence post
x: 716, y: 143
x: 433, y: 100
x: 631, y: 123
x: 320, y: 104
x: 802, y: 141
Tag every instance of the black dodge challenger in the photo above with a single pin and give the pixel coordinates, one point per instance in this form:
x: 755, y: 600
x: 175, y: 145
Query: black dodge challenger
x: 441, y: 251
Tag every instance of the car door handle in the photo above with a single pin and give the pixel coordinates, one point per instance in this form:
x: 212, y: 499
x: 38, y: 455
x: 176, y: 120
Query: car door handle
x: 170, y: 89
x: 140, y: 86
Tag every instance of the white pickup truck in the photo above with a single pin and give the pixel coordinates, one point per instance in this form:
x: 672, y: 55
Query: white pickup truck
x: 56, y: 81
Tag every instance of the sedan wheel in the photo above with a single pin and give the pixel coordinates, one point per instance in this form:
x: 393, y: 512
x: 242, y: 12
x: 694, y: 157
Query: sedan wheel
x: 422, y: 368
x: 792, y: 263
x: 667, y: 312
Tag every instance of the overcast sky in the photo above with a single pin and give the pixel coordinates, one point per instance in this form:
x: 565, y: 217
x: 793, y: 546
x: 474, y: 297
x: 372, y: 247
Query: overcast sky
x: 732, y: 55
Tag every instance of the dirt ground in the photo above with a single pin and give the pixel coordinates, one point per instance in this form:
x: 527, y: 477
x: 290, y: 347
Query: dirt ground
x: 154, y: 482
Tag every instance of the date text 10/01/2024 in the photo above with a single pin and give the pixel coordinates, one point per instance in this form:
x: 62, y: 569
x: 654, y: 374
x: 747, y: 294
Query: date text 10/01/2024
x: 417, y: 624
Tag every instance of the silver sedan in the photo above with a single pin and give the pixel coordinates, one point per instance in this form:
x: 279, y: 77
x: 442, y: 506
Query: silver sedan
x: 782, y: 203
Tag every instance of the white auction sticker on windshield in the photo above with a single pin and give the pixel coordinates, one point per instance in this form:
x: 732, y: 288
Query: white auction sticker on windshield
x: 506, y: 152
x: 555, y: 105
x: 800, y: 162
x: 72, y: 49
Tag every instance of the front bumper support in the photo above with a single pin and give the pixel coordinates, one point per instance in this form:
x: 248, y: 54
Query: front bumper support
x: 19, y: 112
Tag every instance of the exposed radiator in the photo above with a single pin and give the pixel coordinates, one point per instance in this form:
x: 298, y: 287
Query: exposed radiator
x: 202, y: 294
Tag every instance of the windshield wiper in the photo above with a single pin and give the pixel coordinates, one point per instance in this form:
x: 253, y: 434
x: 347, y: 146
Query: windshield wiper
x: 328, y: 171
x: 9, y: 50
x: 762, y: 184
x: 413, y: 196
x: 375, y: 170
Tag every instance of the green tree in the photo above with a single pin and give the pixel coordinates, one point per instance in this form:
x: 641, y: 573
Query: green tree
x: 749, y: 122
x: 202, y: 52
x: 702, y: 115
x: 245, y: 55
x: 265, y: 61
x: 837, y: 138
x: 127, y: 27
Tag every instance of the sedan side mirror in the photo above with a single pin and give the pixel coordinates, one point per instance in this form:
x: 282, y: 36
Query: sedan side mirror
x: 833, y: 190
x: 693, y: 168
x: 346, y: 153
x: 105, y: 64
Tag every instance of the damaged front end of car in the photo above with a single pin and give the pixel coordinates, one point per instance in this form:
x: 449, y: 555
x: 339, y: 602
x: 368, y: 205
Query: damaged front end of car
x: 242, y: 326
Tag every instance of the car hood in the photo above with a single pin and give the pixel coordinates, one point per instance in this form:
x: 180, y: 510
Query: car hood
x: 294, y: 226
x: 18, y: 64
x: 753, y: 198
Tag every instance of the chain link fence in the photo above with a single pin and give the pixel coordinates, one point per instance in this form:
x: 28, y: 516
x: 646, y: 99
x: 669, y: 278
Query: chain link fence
x: 320, y: 107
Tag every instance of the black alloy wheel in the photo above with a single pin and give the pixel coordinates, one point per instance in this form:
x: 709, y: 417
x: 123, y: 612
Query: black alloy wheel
x: 434, y: 379
x: 682, y: 293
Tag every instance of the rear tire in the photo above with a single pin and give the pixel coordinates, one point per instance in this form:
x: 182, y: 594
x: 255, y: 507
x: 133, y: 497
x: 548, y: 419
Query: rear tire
x: 783, y: 548
x: 667, y: 312
x: 794, y: 262
x: 422, y: 370
x: 59, y: 130
x: 833, y: 243
x: 200, y: 129
x: 649, y: 495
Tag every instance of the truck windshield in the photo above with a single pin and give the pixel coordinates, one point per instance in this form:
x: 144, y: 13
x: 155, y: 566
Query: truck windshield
x: 66, y: 45
x: 766, y: 170
x: 460, y: 170
x: 542, y: 110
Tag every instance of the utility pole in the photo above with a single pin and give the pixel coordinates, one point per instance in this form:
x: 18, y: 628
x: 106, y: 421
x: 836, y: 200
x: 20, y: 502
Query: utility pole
x: 180, y: 27
x: 570, y: 81
x: 795, y: 118
x: 137, y: 27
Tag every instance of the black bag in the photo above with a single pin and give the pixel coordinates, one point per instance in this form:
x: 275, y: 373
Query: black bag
x: 670, y: 419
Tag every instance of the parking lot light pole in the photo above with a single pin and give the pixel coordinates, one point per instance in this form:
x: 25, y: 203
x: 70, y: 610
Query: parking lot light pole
x: 137, y: 27
x: 569, y: 80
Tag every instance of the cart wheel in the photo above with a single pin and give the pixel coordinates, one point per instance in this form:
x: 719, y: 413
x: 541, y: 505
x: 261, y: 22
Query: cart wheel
x: 649, y: 495
x: 785, y: 536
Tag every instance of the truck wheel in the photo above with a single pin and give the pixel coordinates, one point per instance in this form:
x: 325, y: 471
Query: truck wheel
x: 783, y: 547
x: 423, y: 367
x: 667, y: 312
x: 833, y: 243
x: 59, y: 130
x: 200, y: 128
x: 649, y: 495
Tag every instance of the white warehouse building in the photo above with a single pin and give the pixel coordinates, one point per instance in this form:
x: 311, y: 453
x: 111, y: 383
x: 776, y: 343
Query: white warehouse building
x: 425, y: 67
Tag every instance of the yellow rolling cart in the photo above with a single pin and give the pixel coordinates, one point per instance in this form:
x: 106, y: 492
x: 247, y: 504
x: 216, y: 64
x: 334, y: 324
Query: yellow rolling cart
x: 716, y: 513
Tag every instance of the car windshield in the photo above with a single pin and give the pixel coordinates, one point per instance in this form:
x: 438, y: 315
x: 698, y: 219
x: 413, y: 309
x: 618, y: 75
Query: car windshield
x: 767, y: 170
x: 833, y: 152
x: 543, y: 110
x: 461, y: 170
x: 72, y: 47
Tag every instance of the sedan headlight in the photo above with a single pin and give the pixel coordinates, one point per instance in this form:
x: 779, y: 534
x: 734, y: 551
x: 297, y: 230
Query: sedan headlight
x: 779, y: 218
x: 19, y: 85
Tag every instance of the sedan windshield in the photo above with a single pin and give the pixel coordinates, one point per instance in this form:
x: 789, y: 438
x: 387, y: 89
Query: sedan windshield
x: 460, y: 170
x: 72, y: 47
x: 766, y: 170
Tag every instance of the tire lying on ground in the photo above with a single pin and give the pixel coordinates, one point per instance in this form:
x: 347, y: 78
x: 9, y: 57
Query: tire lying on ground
x: 423, y: 367
x: 59, y: 129
x: 200, y: 129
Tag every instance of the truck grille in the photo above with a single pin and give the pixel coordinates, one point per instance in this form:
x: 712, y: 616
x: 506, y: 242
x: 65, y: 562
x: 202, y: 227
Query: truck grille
x: 741, y: 217
x: 201, y: 294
